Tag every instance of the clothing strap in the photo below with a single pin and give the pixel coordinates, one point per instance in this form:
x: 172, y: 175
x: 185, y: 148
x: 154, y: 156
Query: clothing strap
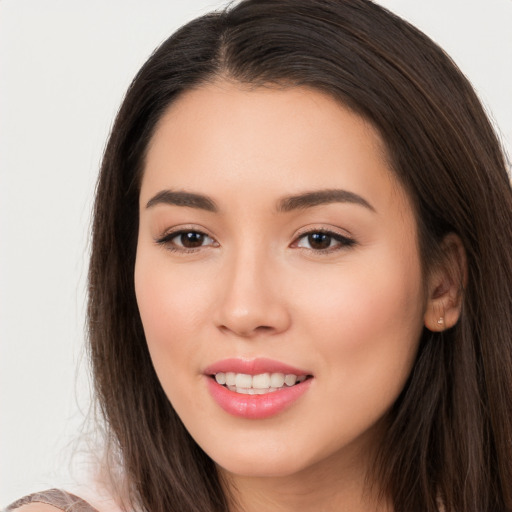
x: 57, y: 498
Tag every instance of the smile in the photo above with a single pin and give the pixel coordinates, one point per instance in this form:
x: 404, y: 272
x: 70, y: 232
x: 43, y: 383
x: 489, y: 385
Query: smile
x: 257, y: 384
x: 256, y: 389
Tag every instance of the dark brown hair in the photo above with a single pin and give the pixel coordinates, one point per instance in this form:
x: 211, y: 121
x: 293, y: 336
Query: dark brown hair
x: 449, y: 435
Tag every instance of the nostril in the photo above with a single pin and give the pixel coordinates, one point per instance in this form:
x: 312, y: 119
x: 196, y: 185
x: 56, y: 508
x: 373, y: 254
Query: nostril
x: 247, y: 332
x: 264, y: 328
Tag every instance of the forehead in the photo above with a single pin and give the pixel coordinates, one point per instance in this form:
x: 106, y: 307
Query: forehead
x: 224, y: 136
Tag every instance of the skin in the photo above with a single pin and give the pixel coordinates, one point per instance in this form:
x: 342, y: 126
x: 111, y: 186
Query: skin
x: 350, y: 314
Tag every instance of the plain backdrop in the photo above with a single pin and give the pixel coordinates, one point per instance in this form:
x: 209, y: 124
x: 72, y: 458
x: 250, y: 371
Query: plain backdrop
x: 64, y: 67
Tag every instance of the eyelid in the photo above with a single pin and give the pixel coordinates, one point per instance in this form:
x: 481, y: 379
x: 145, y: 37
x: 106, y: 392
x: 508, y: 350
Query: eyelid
x: 345, y: 240
x: 165, y: 239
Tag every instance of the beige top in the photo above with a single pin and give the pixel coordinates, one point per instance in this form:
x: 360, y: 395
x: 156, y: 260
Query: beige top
x: 60, y: 499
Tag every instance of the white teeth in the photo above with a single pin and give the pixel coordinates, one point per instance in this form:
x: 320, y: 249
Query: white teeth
x: 257, y: 384
x: 253, y: 391
x: 220, y: 378
x: 290, y: 380
x: 277, y: 380
x: 245, y: 391
x: 243, y: 380
x: 261, y: 381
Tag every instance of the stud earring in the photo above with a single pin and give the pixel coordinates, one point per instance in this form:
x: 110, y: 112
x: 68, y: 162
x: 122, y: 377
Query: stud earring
x: 440, y: 321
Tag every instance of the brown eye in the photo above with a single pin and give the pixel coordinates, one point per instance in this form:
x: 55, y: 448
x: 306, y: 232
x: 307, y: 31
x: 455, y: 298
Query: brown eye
x: 323, y: 241
x: 190, y: 239
x: 186, y: 240
x: 319, y: 241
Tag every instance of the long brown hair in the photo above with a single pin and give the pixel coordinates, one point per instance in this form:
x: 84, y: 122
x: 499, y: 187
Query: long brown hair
x: 449, y: 434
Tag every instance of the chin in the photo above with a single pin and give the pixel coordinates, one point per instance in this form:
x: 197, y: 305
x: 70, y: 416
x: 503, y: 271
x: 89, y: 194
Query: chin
x: 264, y: 468
x: 259, y: 461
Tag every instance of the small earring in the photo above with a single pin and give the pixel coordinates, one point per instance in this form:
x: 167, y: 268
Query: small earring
x: 440, y: 321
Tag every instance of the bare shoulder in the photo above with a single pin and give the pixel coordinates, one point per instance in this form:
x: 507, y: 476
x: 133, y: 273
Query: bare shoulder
x: 51, y: 500
x: 36, y: 507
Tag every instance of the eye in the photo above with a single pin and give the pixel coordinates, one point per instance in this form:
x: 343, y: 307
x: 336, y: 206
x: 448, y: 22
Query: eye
x: 323, y: 241
x: 186, y: 240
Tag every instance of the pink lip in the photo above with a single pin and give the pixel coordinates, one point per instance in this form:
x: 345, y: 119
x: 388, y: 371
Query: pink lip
x: 253, y: 367
x: 254, y: 406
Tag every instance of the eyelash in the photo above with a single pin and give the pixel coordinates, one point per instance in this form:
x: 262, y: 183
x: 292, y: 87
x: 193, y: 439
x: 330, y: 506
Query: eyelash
x: 343, y: 242
x: 167, y: 240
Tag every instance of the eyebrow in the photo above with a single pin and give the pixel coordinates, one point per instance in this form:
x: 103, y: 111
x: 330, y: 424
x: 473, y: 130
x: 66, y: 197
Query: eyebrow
x: 319, y: 197
x: 287, y: 204
x: 179, y: 198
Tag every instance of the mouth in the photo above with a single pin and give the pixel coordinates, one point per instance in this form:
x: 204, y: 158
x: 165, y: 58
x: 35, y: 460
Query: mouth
x: 256, y: 389
x: 259, y: 384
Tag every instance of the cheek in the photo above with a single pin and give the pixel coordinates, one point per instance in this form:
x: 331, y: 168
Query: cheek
x: 166, y: 304
x: 172, y: 305
x: 378, y: 308
x: 171, y: 296
x: 367, y: 320
x: 170, y: 309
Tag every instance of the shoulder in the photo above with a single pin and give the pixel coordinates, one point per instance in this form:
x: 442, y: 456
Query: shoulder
x: 52, y: 500
x: 35, y: 507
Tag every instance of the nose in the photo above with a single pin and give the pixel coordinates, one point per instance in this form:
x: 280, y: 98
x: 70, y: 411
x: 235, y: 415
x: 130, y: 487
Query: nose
x: 252, y: 298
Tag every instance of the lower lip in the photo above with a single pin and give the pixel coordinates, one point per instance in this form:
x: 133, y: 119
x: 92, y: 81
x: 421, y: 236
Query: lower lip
x: 256, y: 407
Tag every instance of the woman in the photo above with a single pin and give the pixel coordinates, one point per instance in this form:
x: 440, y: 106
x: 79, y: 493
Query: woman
x: 300, y: 288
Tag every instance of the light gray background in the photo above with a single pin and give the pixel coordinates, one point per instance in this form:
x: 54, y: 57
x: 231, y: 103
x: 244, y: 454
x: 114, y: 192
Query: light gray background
x: 64, y: 66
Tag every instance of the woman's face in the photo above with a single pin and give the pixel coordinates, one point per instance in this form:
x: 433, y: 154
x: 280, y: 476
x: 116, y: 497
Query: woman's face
x: 275, y: 243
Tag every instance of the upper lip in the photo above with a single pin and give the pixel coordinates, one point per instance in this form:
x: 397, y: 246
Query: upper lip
x: 253, y: 367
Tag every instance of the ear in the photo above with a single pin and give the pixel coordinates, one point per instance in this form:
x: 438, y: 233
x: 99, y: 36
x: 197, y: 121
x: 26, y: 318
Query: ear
x: 446, y: 284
